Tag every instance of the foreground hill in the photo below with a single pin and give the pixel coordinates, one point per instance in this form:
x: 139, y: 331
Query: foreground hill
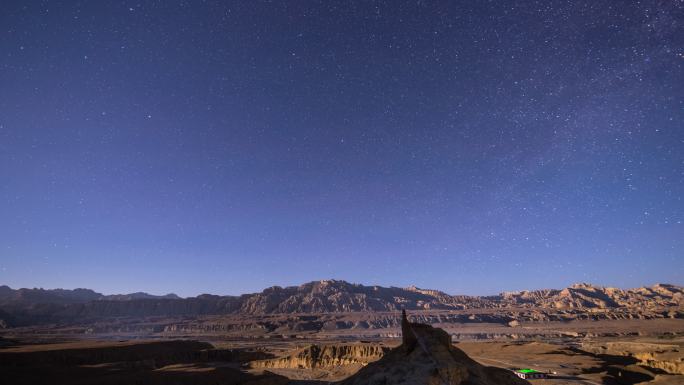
x: 426, y: 356
x: 32, y: 306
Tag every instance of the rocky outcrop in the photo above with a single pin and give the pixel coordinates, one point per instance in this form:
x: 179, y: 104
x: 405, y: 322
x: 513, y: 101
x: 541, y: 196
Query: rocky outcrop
x: 325, y: 356
x: 660, y: 356
x: 427, y: 356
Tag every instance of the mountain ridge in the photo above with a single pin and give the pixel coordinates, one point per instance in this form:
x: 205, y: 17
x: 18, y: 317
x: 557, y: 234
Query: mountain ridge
x: 36, y: 306
x: 41, y: 295
x: 140, y: 294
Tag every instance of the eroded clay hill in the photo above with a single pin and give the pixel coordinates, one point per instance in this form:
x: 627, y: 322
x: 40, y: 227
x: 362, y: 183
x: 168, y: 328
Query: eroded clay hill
x: 426, y: 356
x: 325, y: 356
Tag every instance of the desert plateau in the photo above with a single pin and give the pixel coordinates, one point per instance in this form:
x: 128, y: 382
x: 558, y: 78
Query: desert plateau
x: 336, y: 332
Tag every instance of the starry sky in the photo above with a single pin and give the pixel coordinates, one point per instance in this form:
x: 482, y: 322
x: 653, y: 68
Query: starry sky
x: 228, y: 146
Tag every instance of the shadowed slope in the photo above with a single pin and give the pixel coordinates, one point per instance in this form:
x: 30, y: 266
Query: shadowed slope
x: 426, y: 356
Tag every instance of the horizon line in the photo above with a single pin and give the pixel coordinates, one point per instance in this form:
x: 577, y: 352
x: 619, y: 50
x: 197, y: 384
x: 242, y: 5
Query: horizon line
x: 345, y: 281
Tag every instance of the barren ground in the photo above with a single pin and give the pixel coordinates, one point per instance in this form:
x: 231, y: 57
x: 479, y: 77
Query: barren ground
x: 578, y: 352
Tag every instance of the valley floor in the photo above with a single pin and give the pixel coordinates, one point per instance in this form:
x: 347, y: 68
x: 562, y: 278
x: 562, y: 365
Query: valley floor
x: 579, y: 352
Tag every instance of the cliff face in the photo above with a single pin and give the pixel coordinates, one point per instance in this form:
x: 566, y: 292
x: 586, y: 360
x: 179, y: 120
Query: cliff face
x: 426, y: 356
x: 663, y: 356
x: 325, y: 356
x: 32, y: 306
x: 339, y: 296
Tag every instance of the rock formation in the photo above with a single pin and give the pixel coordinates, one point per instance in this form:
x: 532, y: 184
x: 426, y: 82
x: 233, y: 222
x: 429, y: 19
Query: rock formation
x: 408, y: 339
x: 426, y: 356
x: 325, y: 356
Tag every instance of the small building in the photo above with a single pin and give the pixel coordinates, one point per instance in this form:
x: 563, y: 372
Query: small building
x: 527, y: 374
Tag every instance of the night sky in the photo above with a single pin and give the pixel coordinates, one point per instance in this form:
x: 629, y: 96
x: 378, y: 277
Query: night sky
x: 224, y: 147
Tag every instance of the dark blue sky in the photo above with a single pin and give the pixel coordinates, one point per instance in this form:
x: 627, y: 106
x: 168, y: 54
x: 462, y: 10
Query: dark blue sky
x: 224, y: 147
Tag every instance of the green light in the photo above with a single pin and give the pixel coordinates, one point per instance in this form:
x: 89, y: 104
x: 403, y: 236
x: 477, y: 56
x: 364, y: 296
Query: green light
x: 527, y: 371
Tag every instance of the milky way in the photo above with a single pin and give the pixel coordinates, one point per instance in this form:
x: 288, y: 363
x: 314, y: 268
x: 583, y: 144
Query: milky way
x: 224, y: 147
